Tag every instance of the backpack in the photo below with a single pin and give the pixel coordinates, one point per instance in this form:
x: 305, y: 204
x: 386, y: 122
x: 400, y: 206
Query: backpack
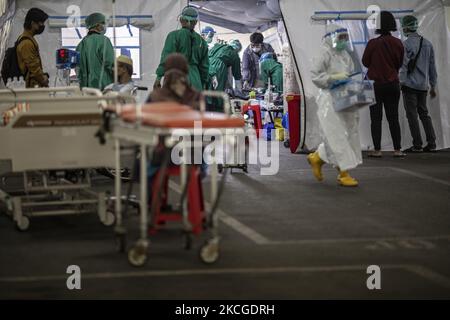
x: 10, y: 65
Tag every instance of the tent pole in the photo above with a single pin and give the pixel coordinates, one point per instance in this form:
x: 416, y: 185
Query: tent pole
x: 116, y: 80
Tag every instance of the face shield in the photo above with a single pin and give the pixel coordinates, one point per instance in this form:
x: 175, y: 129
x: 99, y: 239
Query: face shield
x: 340, y: 40
x: 208, y: 36
x: 266, y: 60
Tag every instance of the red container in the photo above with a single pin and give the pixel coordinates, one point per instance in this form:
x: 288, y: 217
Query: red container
x: 257, y: 116
x: 293, y: 101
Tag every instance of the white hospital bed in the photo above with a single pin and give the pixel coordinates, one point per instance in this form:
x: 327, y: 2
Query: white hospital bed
x: 47, y: 139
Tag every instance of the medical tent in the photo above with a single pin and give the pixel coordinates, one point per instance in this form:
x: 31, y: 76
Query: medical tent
x: 299, y: 24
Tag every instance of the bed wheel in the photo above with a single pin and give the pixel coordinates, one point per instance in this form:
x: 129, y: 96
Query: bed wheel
x: 209, y: 252
x: 137, y: 256
x: 23, y: 224
x: 110, y: 218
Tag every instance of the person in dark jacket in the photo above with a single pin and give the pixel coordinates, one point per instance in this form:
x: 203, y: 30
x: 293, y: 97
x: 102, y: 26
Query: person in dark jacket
x: 250, y: 59
x: 383, y: 57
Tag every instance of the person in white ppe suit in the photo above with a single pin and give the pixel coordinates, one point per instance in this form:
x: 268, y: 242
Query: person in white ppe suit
x: 340, y: 145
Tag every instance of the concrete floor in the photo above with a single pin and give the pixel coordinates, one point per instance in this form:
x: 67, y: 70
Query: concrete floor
x: 283, y: 237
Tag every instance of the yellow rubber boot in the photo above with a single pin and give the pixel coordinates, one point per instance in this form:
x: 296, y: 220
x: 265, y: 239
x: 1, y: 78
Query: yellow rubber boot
x: 346, y: 180
x: 316, y: 165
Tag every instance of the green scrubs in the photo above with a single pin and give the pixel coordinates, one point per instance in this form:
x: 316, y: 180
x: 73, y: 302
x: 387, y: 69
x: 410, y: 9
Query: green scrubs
x: 194, y: 48
x: 221, y: 57
x: 273, y: 70
x: 96, y: 61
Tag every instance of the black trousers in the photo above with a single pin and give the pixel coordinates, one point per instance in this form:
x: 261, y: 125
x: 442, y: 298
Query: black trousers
x: 415, y: 103
x: 387, y: 95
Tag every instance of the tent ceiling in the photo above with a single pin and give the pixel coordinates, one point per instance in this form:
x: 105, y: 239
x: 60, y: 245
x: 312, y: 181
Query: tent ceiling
x: 242, y: 16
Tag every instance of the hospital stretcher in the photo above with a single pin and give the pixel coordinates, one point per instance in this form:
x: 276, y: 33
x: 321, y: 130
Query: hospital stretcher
x: 48, y: 147
x: 147, y: 126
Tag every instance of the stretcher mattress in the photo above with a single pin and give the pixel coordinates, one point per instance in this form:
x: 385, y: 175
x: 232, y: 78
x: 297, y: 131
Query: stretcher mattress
x: 172, y: 115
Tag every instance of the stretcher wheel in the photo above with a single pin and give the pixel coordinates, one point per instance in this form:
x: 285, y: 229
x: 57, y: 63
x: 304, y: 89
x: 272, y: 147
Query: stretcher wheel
x: 137, y: 256
x: 110, y: 218
x: 209, y: 252
x: 23, y: 224
x: 220, y: 168
x: 188, y: 240
x: 244, y: 168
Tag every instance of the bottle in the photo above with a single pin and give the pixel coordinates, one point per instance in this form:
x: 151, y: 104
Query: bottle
x: 268, y: 94
x: 253, y: 101
x: 15, y: 83
x: 21, y: 83
x: 9, y: 83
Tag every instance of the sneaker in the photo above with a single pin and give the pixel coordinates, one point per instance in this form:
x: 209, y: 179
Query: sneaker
x: 399, y: 154
x: 375, y: 154
x: 413, y: 150
x: 429, y: 148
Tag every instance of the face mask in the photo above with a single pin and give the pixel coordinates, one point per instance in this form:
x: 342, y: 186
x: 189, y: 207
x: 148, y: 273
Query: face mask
x: 40, y: 30
x: 256, y: 50
x: 178, y: 87
x: 341, y: 45
x: 103, y: 31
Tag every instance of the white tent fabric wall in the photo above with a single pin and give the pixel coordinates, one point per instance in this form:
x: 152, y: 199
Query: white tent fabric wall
x: 306, y: 37
x: 165, y: 14
x: 7, y: 10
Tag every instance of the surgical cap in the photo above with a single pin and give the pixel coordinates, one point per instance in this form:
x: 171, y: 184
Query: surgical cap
x: 189, y: 14
x: 410, y: 22
x: 93, y: 19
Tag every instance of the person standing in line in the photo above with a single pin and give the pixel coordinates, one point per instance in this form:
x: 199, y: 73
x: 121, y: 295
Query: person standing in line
x: 418, y: 75
x: 383, y: 57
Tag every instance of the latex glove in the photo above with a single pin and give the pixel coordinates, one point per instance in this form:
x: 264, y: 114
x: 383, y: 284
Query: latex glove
x: 157, y: 84
x: 433, y: 93
x: 339, y: 76
x: 215, y: 83
x: 246, y: 85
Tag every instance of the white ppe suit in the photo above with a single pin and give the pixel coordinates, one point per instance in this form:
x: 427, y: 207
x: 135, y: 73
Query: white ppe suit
x: 340, y: 145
